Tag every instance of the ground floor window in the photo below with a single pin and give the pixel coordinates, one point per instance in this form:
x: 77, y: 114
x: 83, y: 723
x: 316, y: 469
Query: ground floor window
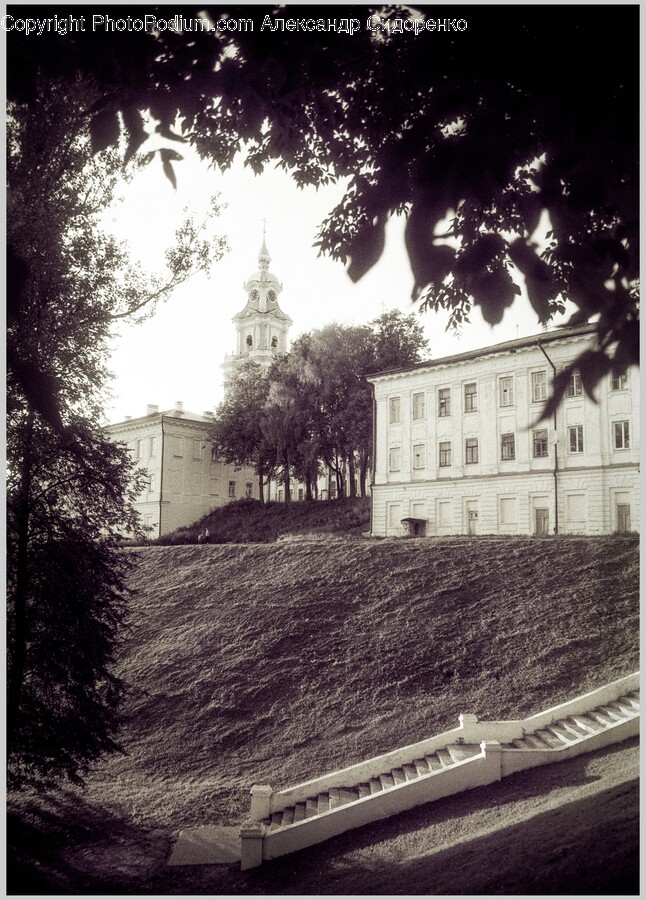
x: 232, y: 489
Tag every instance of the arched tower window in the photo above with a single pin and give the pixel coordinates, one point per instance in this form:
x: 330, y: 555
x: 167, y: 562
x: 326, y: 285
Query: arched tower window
x: 249, y: 342
x: 274, y: 343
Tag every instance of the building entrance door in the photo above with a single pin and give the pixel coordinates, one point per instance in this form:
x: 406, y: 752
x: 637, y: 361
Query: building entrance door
x: 542, y: 521
x: 473, y: 521
x: 623, y: 517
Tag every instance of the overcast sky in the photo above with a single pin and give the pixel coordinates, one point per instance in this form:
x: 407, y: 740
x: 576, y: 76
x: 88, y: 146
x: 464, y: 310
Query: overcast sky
x: 177, y: 354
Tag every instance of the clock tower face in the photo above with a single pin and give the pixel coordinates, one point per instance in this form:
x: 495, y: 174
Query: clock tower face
x: 271, y: 296
x: 254, y: 296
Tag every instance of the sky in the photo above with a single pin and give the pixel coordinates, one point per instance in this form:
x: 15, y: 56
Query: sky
x: 177, y: 354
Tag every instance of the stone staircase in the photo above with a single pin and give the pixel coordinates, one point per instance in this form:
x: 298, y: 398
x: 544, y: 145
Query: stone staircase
x: 474, y: 754
x: 441, y: 759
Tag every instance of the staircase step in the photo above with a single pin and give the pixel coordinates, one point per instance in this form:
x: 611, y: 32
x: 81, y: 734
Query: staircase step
x: 311, y: 807
x: 590, y: 724
x: 386, y: 781
x: 601, y: 718
x: 398, y: 776
x: 288, y: 816
x: 522, y: 744
x: 561, y: 734
x: 335, y: 799
x: 276, y: 820
x: 552, y: 740
x: 444, y: 757
x: 323, y: 803
x: 460, y: 752
x: 615, y: 714
x: 375, y: 786
x: 536, y: 743
x: 634, y: 694
x: 410, y: 772
x: 422, y: 766
x: 575, y: 731
x: 299, y: 812
x: 629, y: 703
x: 348, y: 795
x: 364, y: 790
x: 434, y: 764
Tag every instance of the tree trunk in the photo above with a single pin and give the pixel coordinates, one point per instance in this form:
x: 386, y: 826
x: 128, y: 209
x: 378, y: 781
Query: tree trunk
x: 308, y: 486
x: 261, y: 487
x: 19, y: 648
x: 286, y: 479
x: 352, y: 474
x: 363, y: 473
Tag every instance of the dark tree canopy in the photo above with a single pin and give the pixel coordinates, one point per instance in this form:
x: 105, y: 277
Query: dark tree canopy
x: 525, y: 111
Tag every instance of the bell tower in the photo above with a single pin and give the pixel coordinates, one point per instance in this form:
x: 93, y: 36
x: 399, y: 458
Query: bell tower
x: 261, y: 327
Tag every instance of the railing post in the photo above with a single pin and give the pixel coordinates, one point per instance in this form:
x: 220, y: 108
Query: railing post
x: 493, y: 755
x: 468, y: 724
x: 251, y: 835
x: 260, y: 802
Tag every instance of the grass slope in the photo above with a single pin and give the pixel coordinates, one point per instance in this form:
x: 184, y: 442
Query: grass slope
x: 251, y: 521
x: 272, y: 663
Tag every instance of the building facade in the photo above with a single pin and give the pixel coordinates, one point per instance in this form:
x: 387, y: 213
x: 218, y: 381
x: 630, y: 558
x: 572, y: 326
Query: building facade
x: 185, y: 480
x: 460, y: 447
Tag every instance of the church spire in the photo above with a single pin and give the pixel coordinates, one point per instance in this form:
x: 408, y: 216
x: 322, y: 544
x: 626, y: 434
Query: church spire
x: 263, y: 257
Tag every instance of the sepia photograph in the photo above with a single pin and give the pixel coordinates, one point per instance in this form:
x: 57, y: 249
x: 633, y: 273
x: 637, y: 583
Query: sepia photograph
x: 322, y: 449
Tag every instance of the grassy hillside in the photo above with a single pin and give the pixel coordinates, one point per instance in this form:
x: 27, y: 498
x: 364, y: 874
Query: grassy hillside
x: 251, y: 521
x: 271, y: 663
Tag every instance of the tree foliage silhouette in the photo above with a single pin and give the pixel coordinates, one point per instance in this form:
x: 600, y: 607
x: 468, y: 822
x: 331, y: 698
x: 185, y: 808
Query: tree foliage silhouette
x: 517, y: 118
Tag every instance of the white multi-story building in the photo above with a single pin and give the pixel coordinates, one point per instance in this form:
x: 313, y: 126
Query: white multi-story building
x: 461, y: 447
x: 185, y: 479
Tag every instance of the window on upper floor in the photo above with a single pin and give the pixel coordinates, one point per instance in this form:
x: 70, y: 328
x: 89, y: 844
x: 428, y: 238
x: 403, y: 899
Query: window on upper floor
x: 575, y: 438
x: 249, y: 342
x: 395, y: 411
x: 444, y: 402
x: 419, y: 456
x: 394, y: 459
x: 152, y: 483
x: 152, y: 446
x: 471, y: 450
x: 573, y: 388
x: 214, y: 454
x: 419, y: 405
x: 619, y: 382
x: 139, y: 448
x: 539, y: 443
x: 197, y: 449
x: 622, y: 435
x: 508, y: 446
x: 471, y: 397
x: 539, y: 386
x: 506, y: 386
x: 445, y: 453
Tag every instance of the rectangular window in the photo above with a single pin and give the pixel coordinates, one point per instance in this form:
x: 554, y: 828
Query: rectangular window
x: 445, y: 453
x: 419, y: 456
x: 470, y: 397
x: 214, y: 485
x: 395, y: 410
x: 508, y: 446
x: 573, y: 388
x: 232, y: 489
x: 248, y: 490
x: 444, y: 402
x: 539, y: 442
x: 178, y: 447
x: 152, y: 446
x: 575, y: 507
x: 418, y: 407
x: 394, y: 459
x: 139, y: 444
x: 471, y: 450
x: 575, y: 433
x: 508, y: 510
x: 197, y: 449
x: 214, y: 454
x: 619, y: 382
x: 622, y: 435
x: 507, y: 391
x: 539, y: 386
x: 301, y: 494
x: 151, y: 483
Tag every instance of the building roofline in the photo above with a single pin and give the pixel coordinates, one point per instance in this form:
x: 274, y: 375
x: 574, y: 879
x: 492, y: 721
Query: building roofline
x: 192, y: 418
x: 544, y: 337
